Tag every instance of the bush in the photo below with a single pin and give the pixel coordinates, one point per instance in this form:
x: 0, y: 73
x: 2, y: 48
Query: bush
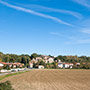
x: 6, y: 86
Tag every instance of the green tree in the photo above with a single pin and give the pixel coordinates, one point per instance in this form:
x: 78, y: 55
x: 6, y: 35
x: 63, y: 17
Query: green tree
x: 23, y: 60
x: 34, y: 55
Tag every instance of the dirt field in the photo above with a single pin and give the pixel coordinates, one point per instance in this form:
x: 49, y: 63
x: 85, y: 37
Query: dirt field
x: 51, y: 80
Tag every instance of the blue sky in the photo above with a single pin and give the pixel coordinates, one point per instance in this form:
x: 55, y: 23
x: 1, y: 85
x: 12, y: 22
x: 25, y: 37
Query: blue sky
x: 55, y: 27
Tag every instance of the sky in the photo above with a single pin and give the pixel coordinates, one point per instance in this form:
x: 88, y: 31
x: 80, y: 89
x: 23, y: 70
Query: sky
x: 49, y: 27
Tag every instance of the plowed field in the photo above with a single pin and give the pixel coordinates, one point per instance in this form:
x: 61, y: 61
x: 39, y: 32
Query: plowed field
x: 51, y: 80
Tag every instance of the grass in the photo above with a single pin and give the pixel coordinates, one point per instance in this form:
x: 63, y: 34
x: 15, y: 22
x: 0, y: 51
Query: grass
x: 12, y: 74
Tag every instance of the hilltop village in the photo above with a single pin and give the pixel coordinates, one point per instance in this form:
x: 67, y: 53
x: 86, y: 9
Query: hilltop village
x: 36, y: 61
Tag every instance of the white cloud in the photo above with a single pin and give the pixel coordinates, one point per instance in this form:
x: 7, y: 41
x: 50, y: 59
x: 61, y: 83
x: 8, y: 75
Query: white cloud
x: 34, y: 13
x: 83, y: 41
x: 85, y: 3
x: 86, y: 31
x: 47, y: 9
x: 78, y: 41
x: 85, y: 26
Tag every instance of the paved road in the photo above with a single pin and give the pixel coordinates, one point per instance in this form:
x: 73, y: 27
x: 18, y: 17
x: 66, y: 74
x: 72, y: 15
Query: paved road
x: 13, y: 72
x: 3, y: 74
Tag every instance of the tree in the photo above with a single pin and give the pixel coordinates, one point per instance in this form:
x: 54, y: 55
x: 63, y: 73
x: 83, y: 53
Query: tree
x: 34, y: 55
x: 0, y: 59
x: 7, y: 67
x: 54, y: 65
x: 18, y: 59
x: 41, y: 63
x: 35, y: 65
x: 12, y: 66
x: 23, y: 60
x: 1, y: 55
x: 6, y: 58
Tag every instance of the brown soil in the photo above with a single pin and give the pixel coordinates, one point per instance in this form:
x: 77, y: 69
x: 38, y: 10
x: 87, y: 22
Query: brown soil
x: 51, y: 80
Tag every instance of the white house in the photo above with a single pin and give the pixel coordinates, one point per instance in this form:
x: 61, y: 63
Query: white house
x: 68, y: 65
x: 60, y: 65
x: 59, y: 61
x: 71, y: 65
x: 40, y: 67
x: 1, y: 64
x: 65, y: 65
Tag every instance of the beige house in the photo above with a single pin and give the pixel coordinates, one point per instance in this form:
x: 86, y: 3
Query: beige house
x: 49, y: 60
x: 14, y: 65
x: 37, y: 59
x: 31, y: 64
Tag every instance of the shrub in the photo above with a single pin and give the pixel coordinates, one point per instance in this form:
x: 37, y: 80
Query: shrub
x: 6, y: 86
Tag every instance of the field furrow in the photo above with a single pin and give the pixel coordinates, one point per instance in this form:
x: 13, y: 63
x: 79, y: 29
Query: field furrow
x: 51, y: 80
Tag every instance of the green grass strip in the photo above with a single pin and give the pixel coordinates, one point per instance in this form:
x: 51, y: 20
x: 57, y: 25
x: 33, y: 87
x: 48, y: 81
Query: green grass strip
x: 12, y: 74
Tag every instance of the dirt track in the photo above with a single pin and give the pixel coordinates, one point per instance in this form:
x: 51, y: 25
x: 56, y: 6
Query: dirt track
x: 52, y: 80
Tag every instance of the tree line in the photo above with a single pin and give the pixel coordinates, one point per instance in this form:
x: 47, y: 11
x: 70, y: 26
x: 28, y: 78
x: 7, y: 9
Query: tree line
x: 25, y: 59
